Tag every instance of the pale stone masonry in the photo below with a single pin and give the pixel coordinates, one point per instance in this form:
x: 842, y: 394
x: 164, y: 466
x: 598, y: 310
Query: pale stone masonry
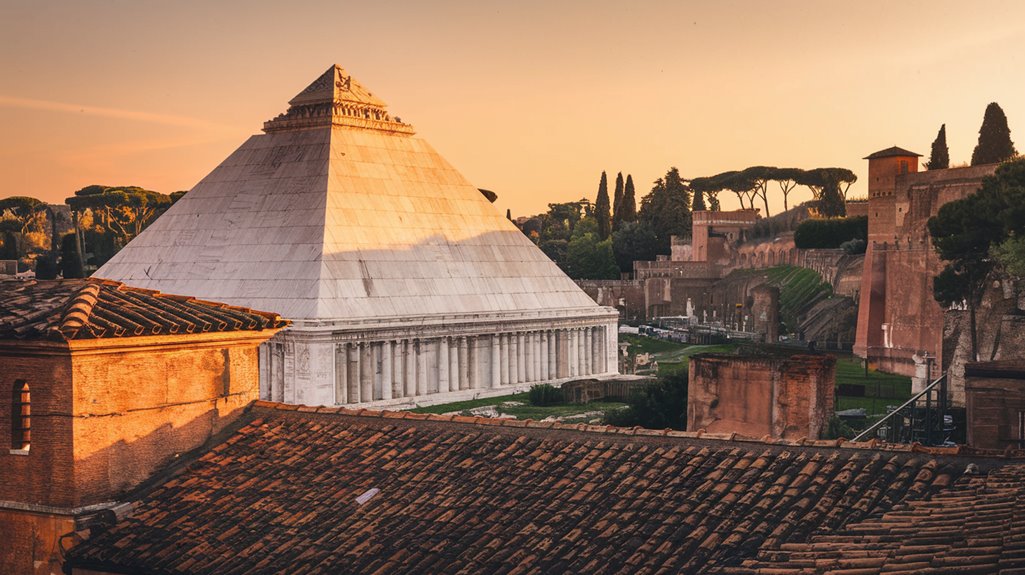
x: 404, y: 284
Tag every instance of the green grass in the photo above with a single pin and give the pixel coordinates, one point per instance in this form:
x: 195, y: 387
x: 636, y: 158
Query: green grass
x: 525, y: 411
x: 645, y: 344
x: 881, y: 389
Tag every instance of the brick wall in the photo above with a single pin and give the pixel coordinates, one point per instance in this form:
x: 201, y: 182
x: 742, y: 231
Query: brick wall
x: 781, y: 397
x: 31, y: 540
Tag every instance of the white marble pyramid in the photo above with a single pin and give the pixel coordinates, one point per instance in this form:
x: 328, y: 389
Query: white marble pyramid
x: 338, y: 211
x: 404, y: 284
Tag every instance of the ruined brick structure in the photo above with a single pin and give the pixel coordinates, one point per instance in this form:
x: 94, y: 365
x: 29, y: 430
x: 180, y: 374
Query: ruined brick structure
x: 787, y: 397
x: 995, y: 394
x: 898, y: 316
x: 102, y: 385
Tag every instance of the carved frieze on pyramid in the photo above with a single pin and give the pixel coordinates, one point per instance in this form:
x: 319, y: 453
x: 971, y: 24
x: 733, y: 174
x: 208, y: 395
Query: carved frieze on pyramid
x: 336, y: 98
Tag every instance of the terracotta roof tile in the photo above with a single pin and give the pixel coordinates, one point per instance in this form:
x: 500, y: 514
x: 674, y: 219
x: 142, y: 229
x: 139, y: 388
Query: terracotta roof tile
x: 292, y: 491
x: 67, y: 310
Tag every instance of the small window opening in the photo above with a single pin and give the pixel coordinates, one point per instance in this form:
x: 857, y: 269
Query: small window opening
x: 21, y: 416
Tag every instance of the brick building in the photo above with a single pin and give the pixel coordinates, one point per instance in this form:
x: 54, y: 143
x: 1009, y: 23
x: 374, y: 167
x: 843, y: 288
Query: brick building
x: 101, y: 385
x: 898, y: 318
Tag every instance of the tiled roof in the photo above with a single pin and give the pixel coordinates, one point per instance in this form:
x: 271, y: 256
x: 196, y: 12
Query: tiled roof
x: 976, y: 526
x: 90, y: 309
x: 891, y: 152
x: 328, y: 490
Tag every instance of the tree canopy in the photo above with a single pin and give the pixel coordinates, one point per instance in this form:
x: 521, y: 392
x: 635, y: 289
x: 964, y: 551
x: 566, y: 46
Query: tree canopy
x: 667, y: 209
x: 124, y: 210
x: 617, y: 203
x: 971, y: 233
x: 995, y: 143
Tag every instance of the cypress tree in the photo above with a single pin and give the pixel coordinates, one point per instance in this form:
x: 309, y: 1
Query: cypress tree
x: 699, y: 202
x: 508, y: 214
x: 995, y: 143
x: 617, y: 203
x: 939, y: 158
x: 602, y: 208
x: 629, y: 201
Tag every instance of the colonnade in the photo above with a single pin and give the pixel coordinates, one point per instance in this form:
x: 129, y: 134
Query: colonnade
x: 414, y: 367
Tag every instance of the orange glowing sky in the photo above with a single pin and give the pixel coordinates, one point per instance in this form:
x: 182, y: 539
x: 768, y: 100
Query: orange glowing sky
x: 530, y: 99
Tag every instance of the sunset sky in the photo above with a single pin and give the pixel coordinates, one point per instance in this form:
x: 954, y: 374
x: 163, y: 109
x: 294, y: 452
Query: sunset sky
x: 530, y: 99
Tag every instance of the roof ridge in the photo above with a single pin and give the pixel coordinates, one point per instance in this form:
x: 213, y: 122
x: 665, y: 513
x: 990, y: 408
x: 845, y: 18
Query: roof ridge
x: 873, y: 446
x: 77, y: 311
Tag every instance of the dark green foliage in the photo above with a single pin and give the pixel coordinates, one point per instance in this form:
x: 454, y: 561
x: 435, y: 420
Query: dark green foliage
x: 837, y: 428
x: 602, y: 208
x: 124, y: 211
x: 71, y: 260
x: 544, y: 394
x: 667, y: 209
x: 995, y: 143
x: 617, y: 203
x: 629, y: 202
x: 46, y: 267
x: 588, y: 257
x: 854, y: 247
x: 635, y: 241
x: 830, y: 233
x: 699, y: 202
x: 831, y: 204
x: 508, y: 214
x: 966, y: 231
x: 660, y: 405
x: 556, y: 250
x: 939, y: 157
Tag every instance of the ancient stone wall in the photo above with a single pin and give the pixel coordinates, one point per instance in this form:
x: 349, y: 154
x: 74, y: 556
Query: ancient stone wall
x: 780, y: 397
x: 995, y: 394
x: 898, y: 316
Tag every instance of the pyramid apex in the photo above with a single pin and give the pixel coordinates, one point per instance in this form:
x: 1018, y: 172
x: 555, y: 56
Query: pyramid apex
x: 336, y: 98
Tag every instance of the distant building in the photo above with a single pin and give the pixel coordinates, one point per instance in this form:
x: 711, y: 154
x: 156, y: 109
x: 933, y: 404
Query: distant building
x: 102, y: 385
x: 404, y: 283
x: 898, y: 317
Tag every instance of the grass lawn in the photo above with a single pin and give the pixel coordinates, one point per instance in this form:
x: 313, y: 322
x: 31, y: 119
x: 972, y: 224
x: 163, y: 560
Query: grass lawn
x: 881, y: 389
x: 525, y: 411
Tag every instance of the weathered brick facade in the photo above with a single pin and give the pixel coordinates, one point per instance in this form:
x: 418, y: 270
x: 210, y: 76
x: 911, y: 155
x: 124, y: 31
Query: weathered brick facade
x: 106, y: 412
x: 787, y: 397
x: 897, y: 315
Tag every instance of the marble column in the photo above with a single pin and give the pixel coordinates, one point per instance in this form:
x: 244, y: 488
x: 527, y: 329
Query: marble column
x: 443, y: 374
x: 353, y: 373
x: 453, y: 365
x: 409, y: 368
x: 341, y: 374
x: 496, y: 363
x: 464, y: 364
x: 553, y: 356
x: 514, y: 362
x: 528, y: 359
x: 503, y: 353
x: 588, y: 351
x: 421, y: 349
x: 581, y: 351
x: 521, y: 358
x: 474, y: 362
x: 544, y: 356
x: 574, y: 352
x: 536, y: 346
x: 366, y: 372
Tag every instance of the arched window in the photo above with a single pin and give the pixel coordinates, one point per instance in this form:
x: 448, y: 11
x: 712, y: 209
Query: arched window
x: 21, y: 416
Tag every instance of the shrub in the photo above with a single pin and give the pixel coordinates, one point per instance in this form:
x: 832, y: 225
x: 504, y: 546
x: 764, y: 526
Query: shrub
x: 830, y: 233
x: 544, y: 394
x: 854, y: 247
x: 661, y: 405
